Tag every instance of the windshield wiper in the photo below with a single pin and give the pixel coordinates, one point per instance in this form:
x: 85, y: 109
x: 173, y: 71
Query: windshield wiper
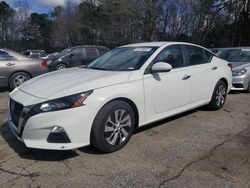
x: 96, y: 68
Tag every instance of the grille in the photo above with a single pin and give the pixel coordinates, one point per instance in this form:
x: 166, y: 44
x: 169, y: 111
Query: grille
x: 15, y: 110
x: 238, y: 85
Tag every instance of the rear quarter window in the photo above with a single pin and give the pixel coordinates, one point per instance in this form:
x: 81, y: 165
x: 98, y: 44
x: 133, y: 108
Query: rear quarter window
x: 197, y: 55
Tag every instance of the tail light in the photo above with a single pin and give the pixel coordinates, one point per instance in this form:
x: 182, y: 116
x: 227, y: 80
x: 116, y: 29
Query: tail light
x: 44, y: 63
x: 230, y: 65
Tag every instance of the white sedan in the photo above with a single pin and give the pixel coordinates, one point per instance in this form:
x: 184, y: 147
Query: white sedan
x: 126, y: 88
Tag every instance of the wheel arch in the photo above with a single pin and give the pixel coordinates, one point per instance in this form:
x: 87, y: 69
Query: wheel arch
x: 19, y: 71
x: 132, y: 104
x: 224, y: 80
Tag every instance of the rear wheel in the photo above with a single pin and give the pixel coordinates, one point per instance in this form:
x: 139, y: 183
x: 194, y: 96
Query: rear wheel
x: 113, y: 126
x: 219, y: 96
x: 18, y: 79
x: 61, y: 66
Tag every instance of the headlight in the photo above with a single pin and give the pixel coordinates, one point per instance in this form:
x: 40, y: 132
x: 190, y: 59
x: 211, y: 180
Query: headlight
x: 239, y: 72
x: 71, y: 101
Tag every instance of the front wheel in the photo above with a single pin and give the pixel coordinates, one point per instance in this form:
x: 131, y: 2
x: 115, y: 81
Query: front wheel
x: 219, y: 96
x: 113, y: 126
x: 248, y: 89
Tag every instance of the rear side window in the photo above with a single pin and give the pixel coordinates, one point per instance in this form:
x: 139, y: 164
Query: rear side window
x: 91, y: 53
x: 102, y: 51
x: 173, y: 55
x: 5, y: 56
x: 197, y: 56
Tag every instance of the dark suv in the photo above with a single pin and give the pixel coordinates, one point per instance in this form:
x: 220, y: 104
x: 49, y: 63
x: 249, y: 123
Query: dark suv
x: 75, y: 56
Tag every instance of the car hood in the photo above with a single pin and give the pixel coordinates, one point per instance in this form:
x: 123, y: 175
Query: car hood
x: 71, y: 81
x: 240, y: 65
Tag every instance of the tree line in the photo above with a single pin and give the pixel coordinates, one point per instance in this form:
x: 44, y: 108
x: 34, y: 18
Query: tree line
x: 211, y: 23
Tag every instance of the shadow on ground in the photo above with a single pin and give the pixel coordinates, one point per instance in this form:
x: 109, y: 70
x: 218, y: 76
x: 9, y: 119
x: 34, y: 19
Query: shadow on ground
x: 51, y: 155
x: 4, y: 89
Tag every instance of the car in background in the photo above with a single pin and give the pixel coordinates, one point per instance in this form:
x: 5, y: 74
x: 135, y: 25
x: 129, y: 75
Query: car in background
x: 75, y: 56
x: 50, y: 56
x: 15, y: 68
x: 35, y: 53
x: 240, y: 59
x: 128, y: 87
x: 215, y: 50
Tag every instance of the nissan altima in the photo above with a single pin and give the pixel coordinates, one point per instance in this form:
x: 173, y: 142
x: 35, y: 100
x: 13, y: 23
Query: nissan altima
x: 128, y: 87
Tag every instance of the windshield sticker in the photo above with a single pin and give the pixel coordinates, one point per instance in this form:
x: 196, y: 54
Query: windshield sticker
x: 142, y: 49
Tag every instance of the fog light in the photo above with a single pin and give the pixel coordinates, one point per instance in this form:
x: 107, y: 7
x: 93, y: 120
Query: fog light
x: 57, y: 130
x: 58, y: 135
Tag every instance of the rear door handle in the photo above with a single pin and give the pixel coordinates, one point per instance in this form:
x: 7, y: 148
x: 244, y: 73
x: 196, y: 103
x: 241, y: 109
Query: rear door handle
x: 214, y: 68
x: 10, y: 64
x: 186, y: 77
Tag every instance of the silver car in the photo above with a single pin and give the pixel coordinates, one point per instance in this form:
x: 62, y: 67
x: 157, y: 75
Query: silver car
x: 240, y: 59
x: 16, y: 68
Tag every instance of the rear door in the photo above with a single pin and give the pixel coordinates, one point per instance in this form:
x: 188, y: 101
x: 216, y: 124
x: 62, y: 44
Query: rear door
x: 7, y: 65
x: 203, y: 72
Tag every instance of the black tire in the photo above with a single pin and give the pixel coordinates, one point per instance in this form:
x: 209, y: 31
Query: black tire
x: 105, y: 129
x: 17, y: 79
x: 219, y: 96
x: 248, y: 89
x: 61, y: 66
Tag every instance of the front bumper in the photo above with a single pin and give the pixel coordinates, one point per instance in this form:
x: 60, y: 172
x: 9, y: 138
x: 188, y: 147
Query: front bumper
x: 240, y: 82
x: 35, y: 131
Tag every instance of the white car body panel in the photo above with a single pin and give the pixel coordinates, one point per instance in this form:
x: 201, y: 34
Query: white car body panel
x: 155, y: 97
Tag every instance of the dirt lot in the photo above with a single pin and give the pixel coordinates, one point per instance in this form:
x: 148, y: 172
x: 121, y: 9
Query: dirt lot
x: 195, y: 149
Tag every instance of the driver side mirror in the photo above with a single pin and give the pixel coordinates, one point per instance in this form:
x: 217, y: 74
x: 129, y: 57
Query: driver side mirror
x: 71, y: 55
x: 161, y: 67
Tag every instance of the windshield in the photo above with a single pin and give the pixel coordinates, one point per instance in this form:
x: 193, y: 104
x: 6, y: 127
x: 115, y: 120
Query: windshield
x: 123, y: 59
x: 64, y: 52
x: 235, y: 55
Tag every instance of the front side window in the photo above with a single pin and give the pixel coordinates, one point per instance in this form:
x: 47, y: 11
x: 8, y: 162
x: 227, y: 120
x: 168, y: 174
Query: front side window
x: 123, y: 59
x: 196, y: 55
x: 173, y: 55
x: 76, y: 53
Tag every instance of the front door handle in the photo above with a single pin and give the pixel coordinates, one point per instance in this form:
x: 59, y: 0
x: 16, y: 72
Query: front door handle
x: 214, y: 68
x: 186, y: 77
x: 10, y: 64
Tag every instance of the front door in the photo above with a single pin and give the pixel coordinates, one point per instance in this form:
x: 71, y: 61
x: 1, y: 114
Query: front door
x: 168, y: 90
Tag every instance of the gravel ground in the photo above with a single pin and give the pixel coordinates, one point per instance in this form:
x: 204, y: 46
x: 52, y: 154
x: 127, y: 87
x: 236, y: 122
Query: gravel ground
x: 196, y: 149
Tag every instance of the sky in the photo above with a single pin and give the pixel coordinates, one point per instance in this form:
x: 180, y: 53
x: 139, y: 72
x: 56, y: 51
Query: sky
x: 40, y: 6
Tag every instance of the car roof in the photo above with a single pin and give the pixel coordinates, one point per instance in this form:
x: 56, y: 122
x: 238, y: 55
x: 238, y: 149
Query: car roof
x: 88, y: 46
x: 232, y: 48
x: 158, y: 44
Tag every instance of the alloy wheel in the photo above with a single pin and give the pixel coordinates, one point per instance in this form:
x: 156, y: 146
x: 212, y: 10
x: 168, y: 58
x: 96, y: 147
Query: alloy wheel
x: 220, y: 95
x: 20, y: 79
x: 118, y: 127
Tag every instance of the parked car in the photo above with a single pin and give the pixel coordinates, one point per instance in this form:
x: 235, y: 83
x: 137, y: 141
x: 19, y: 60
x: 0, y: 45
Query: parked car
x: 16, y: 68
x: 35, y: 53
x: 50, y: 56
x: 240, y: 59
x: 126, y: 88
x: 75, y: 56
x: 215, y: 50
